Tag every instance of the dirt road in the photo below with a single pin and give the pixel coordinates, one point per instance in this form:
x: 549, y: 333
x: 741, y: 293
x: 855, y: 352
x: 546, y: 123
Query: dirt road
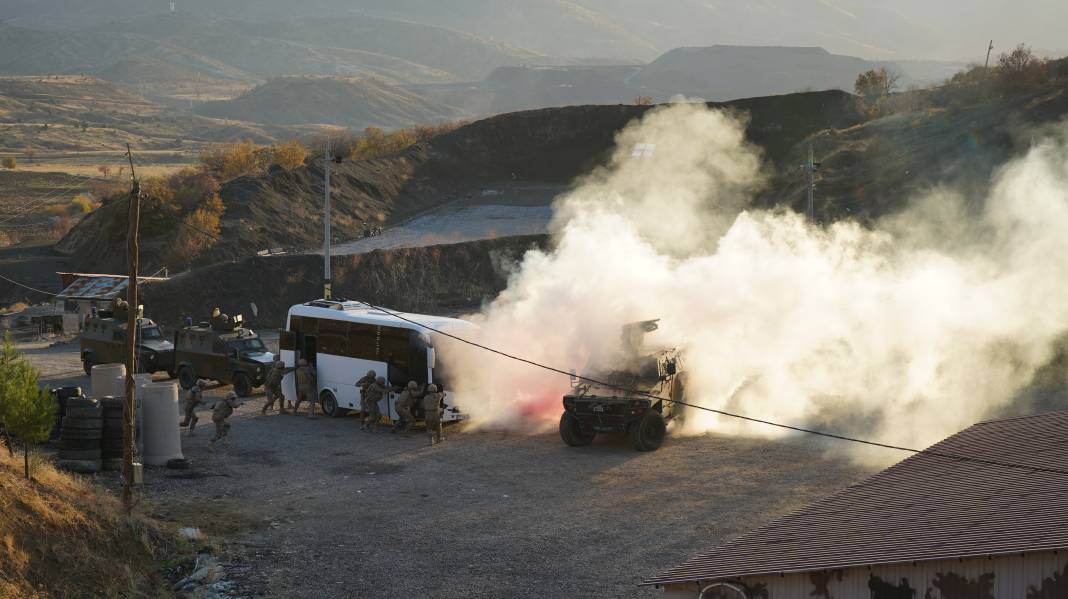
x: 316, y: 508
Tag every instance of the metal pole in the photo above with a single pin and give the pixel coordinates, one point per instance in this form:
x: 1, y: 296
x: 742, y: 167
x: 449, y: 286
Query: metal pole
x: 129, y: 404
x: 327, y: 158
x: 989, y: 48
x: 810, y: 183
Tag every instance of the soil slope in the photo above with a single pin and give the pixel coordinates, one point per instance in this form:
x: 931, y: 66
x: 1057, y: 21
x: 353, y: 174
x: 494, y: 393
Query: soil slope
x: 340, y: 101
x: 60, y: 537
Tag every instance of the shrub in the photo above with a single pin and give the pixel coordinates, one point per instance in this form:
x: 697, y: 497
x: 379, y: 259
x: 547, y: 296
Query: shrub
x: 288, y: 155
x: 9, y: 162
x: 26, y: 411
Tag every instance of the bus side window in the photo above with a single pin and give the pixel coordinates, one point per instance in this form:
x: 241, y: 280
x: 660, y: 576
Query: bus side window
x: 333, y: 337
x: 287, y: 340
x: 362, y: 341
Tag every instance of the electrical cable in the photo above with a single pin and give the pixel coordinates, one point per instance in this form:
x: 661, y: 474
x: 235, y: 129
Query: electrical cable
x: 48, y: 293
x: 839, y: 437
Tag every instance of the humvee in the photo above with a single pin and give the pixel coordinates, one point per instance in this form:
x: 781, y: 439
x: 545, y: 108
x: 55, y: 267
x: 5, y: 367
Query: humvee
x: 224, y: 351
x: 104, y: 342
x: 622, y: 405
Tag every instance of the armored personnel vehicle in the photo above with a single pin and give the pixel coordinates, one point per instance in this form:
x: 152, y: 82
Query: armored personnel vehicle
x: 624, y: 404
x: 224, y: 351
x: 103, y: 341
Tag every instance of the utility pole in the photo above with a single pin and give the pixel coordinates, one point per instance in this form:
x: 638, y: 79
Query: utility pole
x: 988, y: 50
x: 327, y: 159
x: 129, y: 403
x: 810, y: 184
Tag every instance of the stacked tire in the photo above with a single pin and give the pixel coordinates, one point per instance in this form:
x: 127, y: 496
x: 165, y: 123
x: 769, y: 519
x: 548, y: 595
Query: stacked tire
x: 80, y: 435
x: 111, y: 441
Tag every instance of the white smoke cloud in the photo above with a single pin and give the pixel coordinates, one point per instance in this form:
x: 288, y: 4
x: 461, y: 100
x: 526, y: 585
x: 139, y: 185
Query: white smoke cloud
x: 904, y: 333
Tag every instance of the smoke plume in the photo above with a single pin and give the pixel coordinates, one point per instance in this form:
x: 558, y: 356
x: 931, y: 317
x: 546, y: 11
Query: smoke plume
x: 904, y: 333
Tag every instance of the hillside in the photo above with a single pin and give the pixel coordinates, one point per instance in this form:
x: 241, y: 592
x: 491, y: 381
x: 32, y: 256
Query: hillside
x: 340, y: 101
x: 63, y: 537
x: 549, y: 146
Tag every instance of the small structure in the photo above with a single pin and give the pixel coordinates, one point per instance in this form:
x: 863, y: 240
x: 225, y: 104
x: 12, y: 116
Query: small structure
x: 930, y: 527
x: 83, y: 292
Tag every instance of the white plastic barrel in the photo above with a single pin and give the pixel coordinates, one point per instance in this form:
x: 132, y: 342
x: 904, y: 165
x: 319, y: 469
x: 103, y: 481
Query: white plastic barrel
x: 160, y: 432
x: 104, y: 380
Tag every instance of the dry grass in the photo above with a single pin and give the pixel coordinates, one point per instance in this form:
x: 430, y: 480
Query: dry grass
x: 60, y: 536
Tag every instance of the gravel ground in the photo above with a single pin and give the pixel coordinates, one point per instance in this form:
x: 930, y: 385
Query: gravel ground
x: 317, y: 508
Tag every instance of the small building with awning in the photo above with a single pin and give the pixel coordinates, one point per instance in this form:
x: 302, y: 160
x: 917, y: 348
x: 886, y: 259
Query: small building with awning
x: 980, y: 515
x: 84, y: 292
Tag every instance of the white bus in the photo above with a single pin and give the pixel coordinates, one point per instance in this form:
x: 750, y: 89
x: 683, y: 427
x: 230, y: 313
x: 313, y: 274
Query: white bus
x: 346, y: 339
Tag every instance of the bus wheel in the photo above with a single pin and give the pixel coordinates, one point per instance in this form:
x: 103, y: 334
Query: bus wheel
x: 186, y: 377
x: 648, y: 433
x: 328, y: 403
x: 571, y: 431
x: 242, y: 386
x: 87, y: 364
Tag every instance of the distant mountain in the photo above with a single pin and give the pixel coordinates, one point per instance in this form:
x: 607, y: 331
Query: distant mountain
x: 344, y: 102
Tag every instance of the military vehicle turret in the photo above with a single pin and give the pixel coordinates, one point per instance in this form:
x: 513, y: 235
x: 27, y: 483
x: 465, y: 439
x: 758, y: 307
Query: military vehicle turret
x: 622, y: 405
x: 103, y: 341
x: 222, y: 350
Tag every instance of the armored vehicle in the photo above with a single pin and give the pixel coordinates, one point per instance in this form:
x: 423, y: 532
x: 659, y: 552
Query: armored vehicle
x: 627, y: 402
x: 224, y: 351
x: 104, y: 342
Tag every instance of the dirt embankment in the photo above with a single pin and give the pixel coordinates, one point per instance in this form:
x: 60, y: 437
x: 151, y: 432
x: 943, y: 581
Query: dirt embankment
x: 436, y: 279
x: 62, y: 537
x: 551, y: 146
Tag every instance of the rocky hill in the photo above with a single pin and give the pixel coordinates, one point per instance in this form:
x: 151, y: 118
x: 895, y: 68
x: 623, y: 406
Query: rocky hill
x: 549, y: 146
x: 339, y: 101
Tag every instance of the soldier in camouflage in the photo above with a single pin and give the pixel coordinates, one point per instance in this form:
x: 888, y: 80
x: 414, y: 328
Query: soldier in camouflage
x: 371, y: 412
x: 273, y: 386
x: 307, y: 388
x: 222, y: 410
x: 193, y: 398
x: 405, y: 404
x: 432, y: 407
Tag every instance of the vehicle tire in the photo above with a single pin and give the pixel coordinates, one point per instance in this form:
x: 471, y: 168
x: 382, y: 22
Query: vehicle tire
x: 65, y: 393
x: 171, y: 375
x: 84, y: 454
x: 78, y: 444
x: 328, y: 404
x: 112, y: 403
x: 92, y: 413
x: 89, y: 424
x: 82, y: 402
x: 242, y: 386
x: 187, y: 377
x: 648, y: 433
x: 113, y: 424
x: 571, y: 431
x: 87, y: 365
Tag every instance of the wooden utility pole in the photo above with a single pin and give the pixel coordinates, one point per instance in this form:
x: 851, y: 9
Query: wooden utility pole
x: 988, y: 50
x: 129, y: 411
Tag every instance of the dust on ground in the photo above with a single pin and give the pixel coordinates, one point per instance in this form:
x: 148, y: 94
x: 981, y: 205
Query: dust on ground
x: 301, y: 507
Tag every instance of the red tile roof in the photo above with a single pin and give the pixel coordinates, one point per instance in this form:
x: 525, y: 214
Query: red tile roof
x: 923, y: 508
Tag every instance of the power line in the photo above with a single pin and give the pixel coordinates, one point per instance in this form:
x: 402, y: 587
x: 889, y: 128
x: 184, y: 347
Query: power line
x: 48, y: 293
x: 720, y: 412
x: 809, y: 431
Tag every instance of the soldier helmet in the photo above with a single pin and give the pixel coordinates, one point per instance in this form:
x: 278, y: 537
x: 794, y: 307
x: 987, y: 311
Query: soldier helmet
x: 432, y: 389
x: 372, y: 374
x: 303, y: 362
x: 381, y: 380
x: 231, y: 396
x: 413, y: 385
x: 202, y: 383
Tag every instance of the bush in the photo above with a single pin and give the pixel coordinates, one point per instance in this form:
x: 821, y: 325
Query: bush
x: 26, y: 411
x: 197, y: 233
x: 231, y: 160
x: 289, y: 155
x: 81, y: 205
x: 9, y: 162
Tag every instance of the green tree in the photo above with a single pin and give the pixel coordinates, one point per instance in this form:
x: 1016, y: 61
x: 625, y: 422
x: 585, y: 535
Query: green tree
x: 26, y: 411
x: 876, y: 83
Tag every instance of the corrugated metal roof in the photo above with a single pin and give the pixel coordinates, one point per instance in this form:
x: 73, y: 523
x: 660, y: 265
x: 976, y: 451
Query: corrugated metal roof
x: 94, y: 287
x: 923, y: 508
